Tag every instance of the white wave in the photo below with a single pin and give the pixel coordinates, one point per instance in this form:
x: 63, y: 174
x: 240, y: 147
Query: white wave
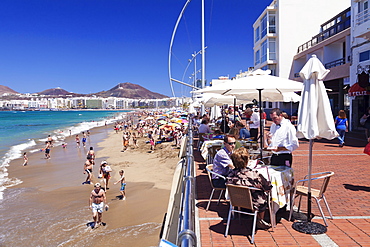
x: 16, y: 151
x: 58, y: 136
x: 13, y: 153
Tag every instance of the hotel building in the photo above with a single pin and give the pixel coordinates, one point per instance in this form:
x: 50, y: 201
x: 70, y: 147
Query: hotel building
x: 332, y: 47
x: 360, y: 63
x: 286, y: 24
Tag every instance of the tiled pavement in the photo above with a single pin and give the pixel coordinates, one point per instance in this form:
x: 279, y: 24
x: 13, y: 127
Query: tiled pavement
x: 348, y: 196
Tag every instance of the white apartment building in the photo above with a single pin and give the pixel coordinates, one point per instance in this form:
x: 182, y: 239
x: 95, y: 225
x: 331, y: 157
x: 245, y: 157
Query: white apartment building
x: 286, y: 24
x: 332, y: 47
x: 360, y: 68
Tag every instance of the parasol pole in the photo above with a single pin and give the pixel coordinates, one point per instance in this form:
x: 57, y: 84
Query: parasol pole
x: 234, y: 112
x: 309, y: 201
x: 261, y: 121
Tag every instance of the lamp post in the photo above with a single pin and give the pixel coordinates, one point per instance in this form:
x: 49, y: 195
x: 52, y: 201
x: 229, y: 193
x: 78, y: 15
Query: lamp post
x: 193, y: 58
x: 203, y: 56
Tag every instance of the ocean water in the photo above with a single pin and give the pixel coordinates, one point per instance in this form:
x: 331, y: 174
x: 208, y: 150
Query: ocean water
x: 22, y: 131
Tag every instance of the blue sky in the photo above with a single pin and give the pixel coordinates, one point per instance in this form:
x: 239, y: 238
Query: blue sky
x: 87, y: 46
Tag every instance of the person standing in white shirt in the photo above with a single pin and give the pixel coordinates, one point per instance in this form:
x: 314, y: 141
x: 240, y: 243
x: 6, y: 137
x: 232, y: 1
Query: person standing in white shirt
x: 282, y: 139
x: 254, y: 123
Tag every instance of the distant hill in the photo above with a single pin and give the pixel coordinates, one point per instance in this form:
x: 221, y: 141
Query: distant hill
x: 57, y: 92
x: 5, y: 89
x: 123, y: 90
x: 130, y: 90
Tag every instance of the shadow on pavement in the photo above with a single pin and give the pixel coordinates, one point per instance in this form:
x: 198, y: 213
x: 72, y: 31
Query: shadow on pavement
x: 356, y: 187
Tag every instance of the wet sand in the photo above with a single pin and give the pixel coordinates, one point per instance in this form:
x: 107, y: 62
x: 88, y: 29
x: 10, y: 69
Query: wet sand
x: 50, y: 207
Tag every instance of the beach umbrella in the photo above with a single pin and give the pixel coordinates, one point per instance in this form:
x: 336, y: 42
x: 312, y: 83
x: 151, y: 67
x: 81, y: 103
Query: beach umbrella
x: 215, y: 112
x: 180, y: 120
x: 315, y: 120
x: 219, y: 100
x: 192, y: 109
x: 247, y: 87
x: 250, y: 87
x: 162, y: 122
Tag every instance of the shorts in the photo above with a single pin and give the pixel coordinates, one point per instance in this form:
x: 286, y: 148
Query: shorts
x: 47, y: 151
x: 98, y: 207
x: 123, y: 187
x: 83, y: 139
x: 88, y: 170
x: 106, y: 175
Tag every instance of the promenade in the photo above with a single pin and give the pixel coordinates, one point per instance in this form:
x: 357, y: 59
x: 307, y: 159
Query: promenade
x: 348, y: 196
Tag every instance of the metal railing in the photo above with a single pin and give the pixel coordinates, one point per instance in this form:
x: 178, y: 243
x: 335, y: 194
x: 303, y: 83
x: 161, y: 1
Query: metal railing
x: 342, y: 22
x: 363, y: 17
x: 179, y: 224
x: 335, y: 63
x: 186, y: 236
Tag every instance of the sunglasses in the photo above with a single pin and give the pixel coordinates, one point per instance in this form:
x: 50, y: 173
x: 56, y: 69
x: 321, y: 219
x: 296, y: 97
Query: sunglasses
x: 231, y: 143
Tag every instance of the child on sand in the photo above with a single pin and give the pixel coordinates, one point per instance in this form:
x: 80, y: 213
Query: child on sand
x: 25, y: 159
x: 78, y: 141
x: 151, y: 141
x: 123, y: 185
x: 126, y: 139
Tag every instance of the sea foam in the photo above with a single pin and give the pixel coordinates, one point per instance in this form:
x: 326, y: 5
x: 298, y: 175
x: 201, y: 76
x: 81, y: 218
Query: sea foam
x: 32, y: 146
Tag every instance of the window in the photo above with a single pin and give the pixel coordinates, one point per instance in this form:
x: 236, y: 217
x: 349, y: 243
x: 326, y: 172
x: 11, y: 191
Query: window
x: 256, y: 34
x: 257, y: 57
x: 364, y: 56
x: 263, y: 26
x: 272, y: 49
x: 264, y: 51
x: 362, y: 6
x: 272, y: 24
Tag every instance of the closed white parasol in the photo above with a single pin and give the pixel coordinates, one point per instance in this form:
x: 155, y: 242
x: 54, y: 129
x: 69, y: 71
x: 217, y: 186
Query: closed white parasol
x: 315, y: 120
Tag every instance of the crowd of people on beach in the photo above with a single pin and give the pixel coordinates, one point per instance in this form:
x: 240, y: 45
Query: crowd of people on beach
x: 97, y: 201
x: 141, y: 125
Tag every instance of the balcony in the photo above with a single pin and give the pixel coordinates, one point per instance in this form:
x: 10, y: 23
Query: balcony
x: 330, y: 28
x: 362, y: 28
x: 335, y: 63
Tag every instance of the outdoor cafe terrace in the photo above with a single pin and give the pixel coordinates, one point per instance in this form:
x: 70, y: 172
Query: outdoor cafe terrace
x: 348, y: 194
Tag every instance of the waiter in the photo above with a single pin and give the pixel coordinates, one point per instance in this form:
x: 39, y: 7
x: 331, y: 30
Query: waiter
x: 282, y: 139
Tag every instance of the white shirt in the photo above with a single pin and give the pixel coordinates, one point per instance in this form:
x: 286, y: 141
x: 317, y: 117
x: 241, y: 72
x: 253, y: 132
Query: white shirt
x: 284, y: 136
x: 256, y: 121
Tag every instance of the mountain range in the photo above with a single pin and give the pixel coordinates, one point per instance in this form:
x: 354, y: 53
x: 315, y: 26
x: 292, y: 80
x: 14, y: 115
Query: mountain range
x: 123, y: 90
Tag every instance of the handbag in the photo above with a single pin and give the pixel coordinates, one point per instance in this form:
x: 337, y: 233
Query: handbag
x: 367, y: 149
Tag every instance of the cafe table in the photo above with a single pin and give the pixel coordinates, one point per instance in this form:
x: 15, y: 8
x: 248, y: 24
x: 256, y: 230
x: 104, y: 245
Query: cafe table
x: 282, y: 180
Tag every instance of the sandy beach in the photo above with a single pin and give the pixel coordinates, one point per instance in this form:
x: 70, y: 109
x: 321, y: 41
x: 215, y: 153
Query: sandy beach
x: 50, y: 207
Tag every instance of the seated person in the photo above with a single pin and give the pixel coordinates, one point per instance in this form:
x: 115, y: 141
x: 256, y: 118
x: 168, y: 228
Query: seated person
x: 225, y: 125
x: 222, y: 162
x: 204, y: 127
x: 234, y: 132
x: 243, y: 132
x: 242, y: 175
